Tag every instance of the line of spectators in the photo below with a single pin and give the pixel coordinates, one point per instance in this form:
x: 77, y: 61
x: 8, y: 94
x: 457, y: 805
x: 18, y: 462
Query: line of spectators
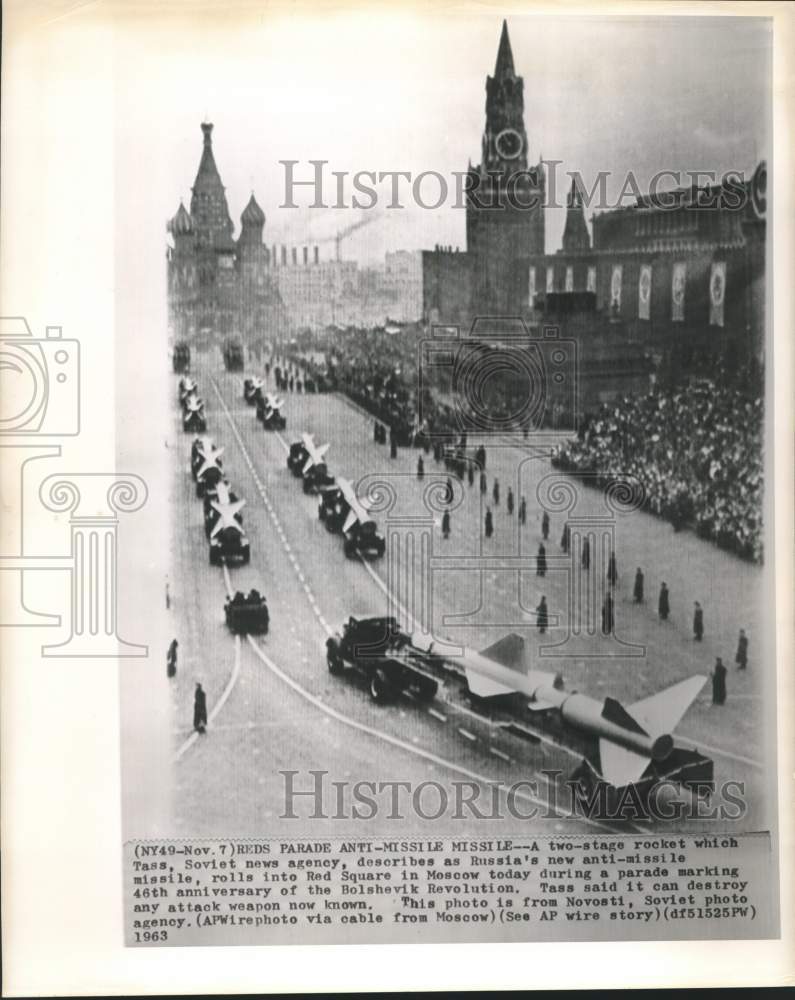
x: 697, y: 450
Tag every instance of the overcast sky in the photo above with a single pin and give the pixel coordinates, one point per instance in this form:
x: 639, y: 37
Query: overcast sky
x: 406, y: 92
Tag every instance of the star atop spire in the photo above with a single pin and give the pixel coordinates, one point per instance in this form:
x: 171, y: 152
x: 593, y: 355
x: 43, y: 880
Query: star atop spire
x: 504, y: 64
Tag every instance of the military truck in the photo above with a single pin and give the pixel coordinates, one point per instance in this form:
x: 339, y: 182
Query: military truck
x: 233, y: 355
x: 229, y: 545
x: 378, y: 650
x: 247, y: 613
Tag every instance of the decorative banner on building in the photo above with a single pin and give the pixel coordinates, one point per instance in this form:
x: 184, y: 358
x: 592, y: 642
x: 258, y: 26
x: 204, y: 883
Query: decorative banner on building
x: 678, y: 281
x: 615, y: 288
x: 644, y: 291
x: 531, y: 285
x: 550, y: 279
x: 717, y: 292
x: 569, y: 279
x: 591, y: 282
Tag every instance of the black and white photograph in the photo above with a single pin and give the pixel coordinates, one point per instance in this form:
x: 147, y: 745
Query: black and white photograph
x: 430, y: 547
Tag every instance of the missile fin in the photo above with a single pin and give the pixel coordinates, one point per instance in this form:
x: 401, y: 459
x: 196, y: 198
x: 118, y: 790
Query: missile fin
x: 615, y: 712
x: 540, y: 706
x: 485, y: 687
x: 509, y: 652
x: 661, y: 712
x: 621, y: 766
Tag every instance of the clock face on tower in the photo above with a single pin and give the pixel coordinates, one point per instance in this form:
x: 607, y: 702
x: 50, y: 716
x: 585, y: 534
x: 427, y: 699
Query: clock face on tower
x: 508, y: 144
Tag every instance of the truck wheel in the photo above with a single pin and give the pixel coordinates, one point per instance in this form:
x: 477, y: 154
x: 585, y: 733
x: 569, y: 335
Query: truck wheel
x: 350, y: 549
x: 334, y: 661
x: 379, y: 686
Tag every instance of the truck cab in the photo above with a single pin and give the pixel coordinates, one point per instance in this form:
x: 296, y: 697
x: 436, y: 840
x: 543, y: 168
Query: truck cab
x: 378, y: 650
x: 230, y: 545
x: 296, y: 459
x: 363, y: 539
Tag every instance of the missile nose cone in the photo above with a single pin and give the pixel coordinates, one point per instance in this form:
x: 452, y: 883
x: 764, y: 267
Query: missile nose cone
x: 662, y: 747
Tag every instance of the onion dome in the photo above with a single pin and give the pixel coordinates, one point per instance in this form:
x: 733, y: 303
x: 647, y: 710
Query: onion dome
x: 182, y: 224
x: 252, y: 214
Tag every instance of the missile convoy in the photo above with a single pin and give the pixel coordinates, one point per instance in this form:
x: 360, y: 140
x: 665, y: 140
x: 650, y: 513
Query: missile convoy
x: 269, y: 412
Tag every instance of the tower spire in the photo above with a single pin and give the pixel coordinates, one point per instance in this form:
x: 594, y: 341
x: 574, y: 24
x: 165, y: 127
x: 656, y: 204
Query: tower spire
x: 504, y: 65
x: 575, y: 233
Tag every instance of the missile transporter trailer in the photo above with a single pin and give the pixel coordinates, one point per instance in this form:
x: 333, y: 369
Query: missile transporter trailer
x: 377, y: 650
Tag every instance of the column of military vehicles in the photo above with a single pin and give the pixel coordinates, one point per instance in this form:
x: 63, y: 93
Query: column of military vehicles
x: 223, y: 521
x: 339, y: 507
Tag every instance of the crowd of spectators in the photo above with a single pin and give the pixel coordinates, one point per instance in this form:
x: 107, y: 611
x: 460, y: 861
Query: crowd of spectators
x: 697, y: 451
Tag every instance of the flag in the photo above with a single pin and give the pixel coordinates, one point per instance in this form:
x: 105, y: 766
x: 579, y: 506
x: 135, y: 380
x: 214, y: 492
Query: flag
x: 531, y: 285
x: 591, y: 283
x: 550, y: 279
x: 717, y: 292
x: 644, y: 291
x: 569, y: 279
x: 678, y: 282
x: 615, y: 288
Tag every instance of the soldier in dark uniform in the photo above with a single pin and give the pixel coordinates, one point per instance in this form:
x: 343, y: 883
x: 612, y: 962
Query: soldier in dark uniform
x: 718, y: 683
x: 470, y: 473
x: 483, y: 484
x: 420, y: 468
x: 541, y: 564
x: 446, y: 524
x: 545, y: 526
x: 698, y: 622
x: 448, y: 492
x: 612, y: 570
x: 741, y: 656
x: 586, y: 553
x: 637, y: 592
x: 392, y: 445
x: 480, y: 457
x: 489, y: 523
x: 542, y: 616
x: 565, y: 538
x: 608, y: 620
x: 495, y: 493
x: 663, y: 604
x: 376, y: 432
x: 509, y: 500
x: 200, y: 710
x: 522, y: 511
x: 171, y: 658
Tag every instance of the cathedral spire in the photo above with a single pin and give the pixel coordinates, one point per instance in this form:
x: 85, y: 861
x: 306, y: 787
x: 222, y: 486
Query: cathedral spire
x: 504, y: 65
x: 208, y: 207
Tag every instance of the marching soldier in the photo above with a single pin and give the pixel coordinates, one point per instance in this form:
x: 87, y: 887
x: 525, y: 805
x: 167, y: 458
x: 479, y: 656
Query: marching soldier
x: 495, y: 493
x: 489, y: 523
x: 522, y: 511
x: 565, y: 538
x: 470, y: 473
x: 509, y: 500
x: 664, y: 604
x: 541, y: 564
x: 741, y: 656
x: 586, y: 553
x: 446, y: 525
x: 542, y: 616
x: 608, y: 620
x: 637, y: 592
x: 420, y: 468
x: 718, y: 676
x: 483, y: 484
x: 698, y: 622
x: 200, y: 710
x: 545, y: 526
x: 612, y: 570
x: 171, y: 659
